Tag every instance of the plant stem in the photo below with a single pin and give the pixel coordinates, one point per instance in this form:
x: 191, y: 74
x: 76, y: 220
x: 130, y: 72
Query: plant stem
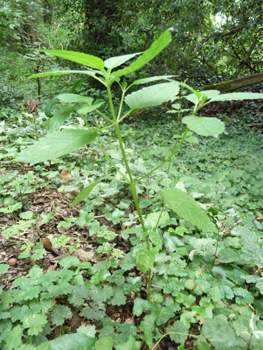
x: 110, y: 161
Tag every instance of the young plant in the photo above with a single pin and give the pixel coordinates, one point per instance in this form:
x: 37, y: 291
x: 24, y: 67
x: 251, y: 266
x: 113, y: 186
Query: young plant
x: 62, y: 140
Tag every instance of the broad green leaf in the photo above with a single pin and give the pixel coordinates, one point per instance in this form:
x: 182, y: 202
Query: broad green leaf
x: 105, y: 343
x: 145, y: 259
x: 221, y: 335
x: 238, y: 96
x: 156, y: 47
x: 163, y: 315
x: 204, y: 126
x: 192, y: 98
x: 89, y: 108
x: 156, y: 239
x: 192, y: 139
x: 158, y: 217
x: 78, y: 57
x: 74, y: 98
x: 147, y: 327
x: 56, y: 144
x: 148, y: 80
x: 59, y: 314
x: 118, y: 297
x: 14, y: 338
x: 139, y: 306
x: 3, y: 268
x: 187, y: 208
x: 114, y: 62
x: 35, y: 323
x: 178, y: 332
x: 202, y: 344
x: 89, y: 330
x: 85, y: 192
x: 76, y: 341
x: 130, y: 344
x: 210, y: 93
x: 59, y: 117
x: 152, y: 95
x: 89, y: 72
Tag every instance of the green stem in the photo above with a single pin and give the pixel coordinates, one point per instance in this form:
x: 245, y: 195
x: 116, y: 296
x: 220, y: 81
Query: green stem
x: 131, y: 180
x: 110, y: 160
x: 103, y: 115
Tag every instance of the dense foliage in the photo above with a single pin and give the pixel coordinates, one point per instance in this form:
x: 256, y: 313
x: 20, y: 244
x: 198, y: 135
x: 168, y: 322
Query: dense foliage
x: 155, y: 239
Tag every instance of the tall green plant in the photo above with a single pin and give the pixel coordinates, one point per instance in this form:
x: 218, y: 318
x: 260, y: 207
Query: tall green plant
x: 60, y: 142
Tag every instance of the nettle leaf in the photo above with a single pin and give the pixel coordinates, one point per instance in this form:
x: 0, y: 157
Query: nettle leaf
x: 156, y: 47
x: 116, y: 61
x: 76, y: 341
x: 233, y: 96
x: 221, y: 335
x: 56, y: 144
x: 145, y: 259
x: 105, y: 343
x: 59, y: 314
x: 204, y: 126
x: 188, y: 209
x: 153, y: 95
x: 78, y: 57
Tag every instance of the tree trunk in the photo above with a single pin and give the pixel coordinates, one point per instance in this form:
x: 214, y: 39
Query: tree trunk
x: 235, y: 84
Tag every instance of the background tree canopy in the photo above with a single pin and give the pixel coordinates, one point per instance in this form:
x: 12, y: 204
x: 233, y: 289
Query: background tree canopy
x: 213, y: 40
